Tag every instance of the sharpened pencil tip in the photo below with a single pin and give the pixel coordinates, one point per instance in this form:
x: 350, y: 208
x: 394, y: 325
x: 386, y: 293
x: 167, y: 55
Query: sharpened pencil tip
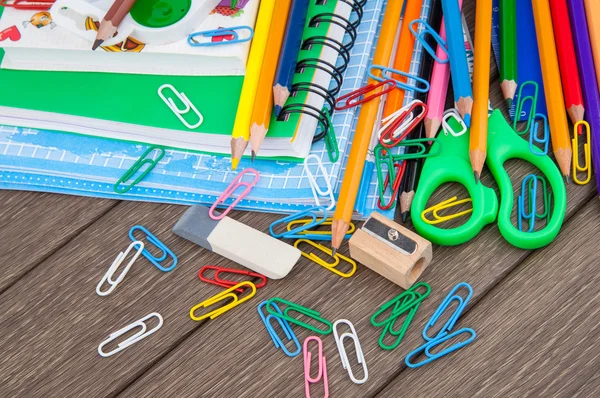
x: 476, y: 174
x: 277, y: 110
x: 567, y: 180
x: 333, y: 252
x: 234, y: 163
x: 97, y: 44
x: 404, y: 217
x: 253, y: 156
x: 509, y: 103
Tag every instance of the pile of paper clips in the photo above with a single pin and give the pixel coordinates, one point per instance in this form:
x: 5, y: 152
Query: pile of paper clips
x: 527, y: 201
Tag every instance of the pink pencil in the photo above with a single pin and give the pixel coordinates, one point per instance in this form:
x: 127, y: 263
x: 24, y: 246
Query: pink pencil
x: 440, y: 78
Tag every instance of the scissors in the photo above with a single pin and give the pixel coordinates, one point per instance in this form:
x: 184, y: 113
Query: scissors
x: 453, y: 165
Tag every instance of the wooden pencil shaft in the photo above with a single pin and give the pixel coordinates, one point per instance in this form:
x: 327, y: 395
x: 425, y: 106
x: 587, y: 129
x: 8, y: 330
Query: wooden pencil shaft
x: 508, y: 40
x: 118, y: 11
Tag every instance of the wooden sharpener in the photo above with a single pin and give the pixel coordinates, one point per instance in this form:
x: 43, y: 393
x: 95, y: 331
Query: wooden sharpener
x: 391, y: 250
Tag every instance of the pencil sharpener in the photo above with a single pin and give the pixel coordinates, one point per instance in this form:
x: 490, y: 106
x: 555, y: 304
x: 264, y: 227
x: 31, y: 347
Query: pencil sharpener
x: 154, y: 22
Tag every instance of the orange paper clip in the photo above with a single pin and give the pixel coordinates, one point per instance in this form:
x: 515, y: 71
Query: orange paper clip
x: 400, y: 123
x: 38, y: 5
x: 235, y: 184
x: 351, y: 97
x: 229, y: 283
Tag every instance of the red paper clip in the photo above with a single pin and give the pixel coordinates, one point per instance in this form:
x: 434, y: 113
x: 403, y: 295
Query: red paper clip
x: 362, y: 91
x: 38, y: 5
x: 387, y: 138
x: 395, y: 186
x: 227, y: 283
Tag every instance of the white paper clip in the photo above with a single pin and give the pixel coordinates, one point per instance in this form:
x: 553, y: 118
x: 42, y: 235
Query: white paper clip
x: 339, y: 340
x: 316, y: 189
x: 449, y: 114
x: 143, y: 333
x: 108, y: 276
x: 179, y: 112
x: 392, y: 118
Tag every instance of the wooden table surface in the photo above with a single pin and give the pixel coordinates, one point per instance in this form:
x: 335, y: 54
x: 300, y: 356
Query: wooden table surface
x: 535, y: 312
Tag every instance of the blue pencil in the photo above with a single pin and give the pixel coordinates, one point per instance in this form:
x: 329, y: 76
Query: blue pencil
x: 292, y: 41
x: 459, y: 67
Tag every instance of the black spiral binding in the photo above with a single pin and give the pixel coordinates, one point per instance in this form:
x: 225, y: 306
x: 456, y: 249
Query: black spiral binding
x: 335, y: 71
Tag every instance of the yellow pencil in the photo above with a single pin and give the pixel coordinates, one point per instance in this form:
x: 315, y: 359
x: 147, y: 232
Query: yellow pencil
x: 241, y: 127
x: 592, y: 8
x: 263, y: 104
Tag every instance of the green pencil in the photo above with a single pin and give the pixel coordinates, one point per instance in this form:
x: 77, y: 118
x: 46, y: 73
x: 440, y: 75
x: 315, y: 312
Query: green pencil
x: 508, y: 49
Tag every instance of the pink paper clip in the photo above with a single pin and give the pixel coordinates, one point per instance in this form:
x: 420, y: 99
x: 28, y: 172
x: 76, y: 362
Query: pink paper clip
x: 322, y: 374
x: 235, y: 184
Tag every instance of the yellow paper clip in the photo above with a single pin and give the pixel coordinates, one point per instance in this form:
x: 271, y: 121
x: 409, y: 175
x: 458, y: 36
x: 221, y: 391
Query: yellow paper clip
x: 316, y: 235
x: 229, y: 293
x: 330, y: 266
x: 587, y: 167
x: 447, y: 204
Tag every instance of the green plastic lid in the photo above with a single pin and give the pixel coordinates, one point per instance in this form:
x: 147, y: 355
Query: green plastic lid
x: 159, y: 13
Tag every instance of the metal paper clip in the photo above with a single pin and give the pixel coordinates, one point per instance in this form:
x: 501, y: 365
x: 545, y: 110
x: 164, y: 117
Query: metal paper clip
x: 421, y: 151
x: 427, y: 29
x: 108, y: 276
x: 143, y: 160
x: 314, y: 234
x: 37, y: 5
x: 408, y: 298
x: 159, y: 245
x: 226, y: 36
x: 446, y: 204
x: 529, y: 190
x: 307, y: 312
x: 322, y: 373
x: 352, y: 99
x: 420, y: 86
x: 452, y: 114
x: 449, y: 325
x: 330, y: 266
x: 533, y: 136
x: 404, y: 125
x: 179, y: 112
x: 430, y: 345
x: 313, y: 214
x: 521, y: 102
x: 399, y: 171
x: 333, y: 150
x: 587, y: 155
x: 143, y: 333
x: 339, y: 341
x: 228, y: 283
x: 314, y: 185
x: 400, y: 123
x: 398, y: 334
x: 383, y: 157
x: 285, y: 326
x: 229, y: 191
x: 220, y: 297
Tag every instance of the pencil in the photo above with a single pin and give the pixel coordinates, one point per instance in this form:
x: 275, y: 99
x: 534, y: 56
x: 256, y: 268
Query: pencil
x: 288, y: 57
x: 111, y: 21
x: 263, y: 105
x: 440, y: 78
x: 459, y: 67
x: 404, y: 53
x: 592, y: 8
x: 508, y: 49
x: 241, y: 127
x: 557, y: 117
x: 364, y: 129
x: 481, y: 86
x: 569, y: 73
x: 591, y: 95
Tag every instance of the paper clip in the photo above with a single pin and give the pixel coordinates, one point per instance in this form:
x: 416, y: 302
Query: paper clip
x: 452, y: 114
x: 408, y: 298
x: 108, y: 276
x: 427, y: 29
x: 228, y: 192
x: 533, y: 136
x: 352, y: 99
x: 398, y: 334
x: 142, y: 334
x: 449, y: 325
x: 307, y: 312
x: 223, y: 296
x: 430, y: 345
x: 314, y: 186
x: 399, y: 171
x: 229, y: 36
x: 179, y: 112
x: 400, y: 123
x: 322, y: 373
x: 424, y: 84
x: 159, y: 245
x: 529, y: 190
x: 521, y: 102
x: 228, y: 283
x: 395, y: 172
x: 446, y: 204
x: 330, y: 266
x: 313, y: 221
x: 314, y: 234
x: 285, y: 326
x: 137, y: 166
x: 421, y: 151
x: 587, y: 167
x: 339, y: 341
x: 333, y: 150
x: 37, y: 5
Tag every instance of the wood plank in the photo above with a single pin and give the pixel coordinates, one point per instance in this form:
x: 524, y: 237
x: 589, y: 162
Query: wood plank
x: 537, y: 330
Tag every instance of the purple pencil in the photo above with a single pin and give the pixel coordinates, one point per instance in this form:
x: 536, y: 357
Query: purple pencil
x: 585, y: 61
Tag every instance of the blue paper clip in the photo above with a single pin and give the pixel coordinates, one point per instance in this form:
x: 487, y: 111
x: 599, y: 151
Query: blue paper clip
x: 529, y: 189
x: 452, y: 296
x: 399, y: 84
x: 221, y: 32
x: 161, y: 246
x: 311, y: 214
x: 430, y: 345
x: 533, y: 136
x: 427, y: 29
x: 285, y: 326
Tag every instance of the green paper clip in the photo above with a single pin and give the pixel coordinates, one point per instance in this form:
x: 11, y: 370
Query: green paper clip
x: 333, y: 150
x: 384, y: 157
x: 422, y: 149
x: 144, y: 159
x: 522, y: 100
x: 307, y: 312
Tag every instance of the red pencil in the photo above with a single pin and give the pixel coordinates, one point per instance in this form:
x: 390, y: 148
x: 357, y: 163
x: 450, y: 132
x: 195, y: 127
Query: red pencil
x: 569, y: 74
